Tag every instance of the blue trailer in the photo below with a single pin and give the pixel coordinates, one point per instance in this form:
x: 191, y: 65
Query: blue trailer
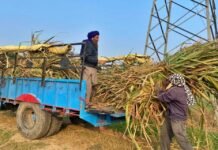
x: 43, y: 102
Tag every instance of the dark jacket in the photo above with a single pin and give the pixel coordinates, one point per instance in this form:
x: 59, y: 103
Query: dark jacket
x: 176, y: 100
x: 91, y: 54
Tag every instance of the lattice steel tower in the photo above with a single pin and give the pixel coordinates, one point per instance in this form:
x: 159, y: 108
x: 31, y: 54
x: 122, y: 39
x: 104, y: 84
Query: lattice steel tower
x: 177, y: 23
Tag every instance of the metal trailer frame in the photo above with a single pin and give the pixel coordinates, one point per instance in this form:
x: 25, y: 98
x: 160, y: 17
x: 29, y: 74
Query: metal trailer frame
x: 65, y: 97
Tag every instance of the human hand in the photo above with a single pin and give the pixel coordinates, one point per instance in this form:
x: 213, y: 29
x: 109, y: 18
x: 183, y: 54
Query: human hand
x: 157, y: 88
x: 165, y: 83
x: 101, y: 61
x: 156, y: 106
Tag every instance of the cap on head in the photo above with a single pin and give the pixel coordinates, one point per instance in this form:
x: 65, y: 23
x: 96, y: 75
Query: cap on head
x: 92, y: 34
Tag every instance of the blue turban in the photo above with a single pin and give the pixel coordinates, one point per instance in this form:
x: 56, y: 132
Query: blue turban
x: 92, y: 34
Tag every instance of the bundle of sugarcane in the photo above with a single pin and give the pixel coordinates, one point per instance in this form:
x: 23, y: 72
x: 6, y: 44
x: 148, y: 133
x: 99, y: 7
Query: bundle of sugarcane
x: 37, y: 48
x: 56, y: 56
x: 132, y: 88
x: 131, y: 59
x: 199, y: 64
x: 31, y: 64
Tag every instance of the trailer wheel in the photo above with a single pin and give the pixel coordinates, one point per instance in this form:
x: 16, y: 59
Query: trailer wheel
x: 75, y: 120
x: 32, y: 122
x: 56, y: 123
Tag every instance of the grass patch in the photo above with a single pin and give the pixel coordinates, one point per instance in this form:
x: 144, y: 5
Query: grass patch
x: 118, y: 127
x: 23, y: 146
x: 9, y: 113
x: 200, y: 139
x: 5, y: 136
x: 197, y: 137
x: 214, y: 140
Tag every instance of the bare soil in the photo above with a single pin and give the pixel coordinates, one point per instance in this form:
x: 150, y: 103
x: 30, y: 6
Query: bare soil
x: 78, y: 136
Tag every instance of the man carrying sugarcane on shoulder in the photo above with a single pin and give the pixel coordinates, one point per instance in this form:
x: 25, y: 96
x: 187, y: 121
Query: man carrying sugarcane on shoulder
x: 177, y: 98
x: 90, y: 53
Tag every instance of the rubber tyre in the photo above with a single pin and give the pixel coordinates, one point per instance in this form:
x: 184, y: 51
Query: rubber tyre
x: 32, y: 122
x: 56, y: 123
x: 75, y: 120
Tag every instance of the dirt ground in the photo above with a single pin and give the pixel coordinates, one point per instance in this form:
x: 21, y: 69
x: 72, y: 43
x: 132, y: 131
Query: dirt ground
x: 73, y: 136
x: 80, y: 136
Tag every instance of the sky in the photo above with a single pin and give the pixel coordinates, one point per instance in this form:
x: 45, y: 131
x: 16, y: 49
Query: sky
x: 122, y: 23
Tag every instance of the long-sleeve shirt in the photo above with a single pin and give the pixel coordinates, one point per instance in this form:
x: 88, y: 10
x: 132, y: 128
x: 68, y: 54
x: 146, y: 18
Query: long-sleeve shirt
x: 176, y: 100
x: 91, y: 54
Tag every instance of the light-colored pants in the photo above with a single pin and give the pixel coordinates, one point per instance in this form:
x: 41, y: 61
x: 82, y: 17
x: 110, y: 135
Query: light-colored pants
x: 90, y: 75
x: 171, y: 129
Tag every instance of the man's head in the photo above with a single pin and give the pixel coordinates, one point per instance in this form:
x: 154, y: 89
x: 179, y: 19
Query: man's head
x: 94, y: 36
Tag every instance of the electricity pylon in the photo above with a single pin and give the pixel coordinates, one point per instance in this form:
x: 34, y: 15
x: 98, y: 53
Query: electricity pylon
x: 175, y: 23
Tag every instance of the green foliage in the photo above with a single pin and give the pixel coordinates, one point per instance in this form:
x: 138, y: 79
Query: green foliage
x: 118, y: 127
x: 5, y: 136
x: 203, y: 140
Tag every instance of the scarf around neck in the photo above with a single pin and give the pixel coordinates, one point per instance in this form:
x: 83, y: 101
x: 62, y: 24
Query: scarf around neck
x: 179, y: 80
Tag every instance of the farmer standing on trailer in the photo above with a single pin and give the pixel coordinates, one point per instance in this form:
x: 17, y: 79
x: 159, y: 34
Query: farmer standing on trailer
x: 177, y: 98
x: 90, y: 51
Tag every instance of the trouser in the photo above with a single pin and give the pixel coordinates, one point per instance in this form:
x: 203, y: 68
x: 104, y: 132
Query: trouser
x: 90, y: 75
x: 177, y: 129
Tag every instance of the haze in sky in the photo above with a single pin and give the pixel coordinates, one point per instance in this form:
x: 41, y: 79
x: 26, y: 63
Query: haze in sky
x: 122, y: 23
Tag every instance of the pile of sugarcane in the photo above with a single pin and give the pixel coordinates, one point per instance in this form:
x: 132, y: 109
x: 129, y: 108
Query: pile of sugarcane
x: 132, y: 88
x: 60, y: 60
x: 29, y: 61
x: 37, y: 48
x: 26, y: 63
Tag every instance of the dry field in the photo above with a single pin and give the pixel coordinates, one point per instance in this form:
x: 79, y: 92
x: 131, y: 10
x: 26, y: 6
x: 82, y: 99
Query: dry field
x: 77, y: 136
